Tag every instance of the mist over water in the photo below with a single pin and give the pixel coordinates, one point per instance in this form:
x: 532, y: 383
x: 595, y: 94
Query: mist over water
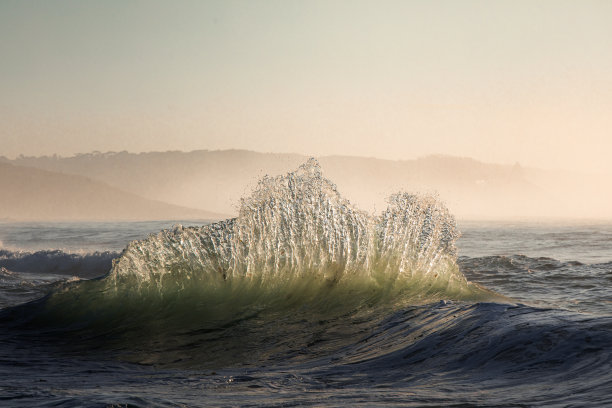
x: 189, y: 185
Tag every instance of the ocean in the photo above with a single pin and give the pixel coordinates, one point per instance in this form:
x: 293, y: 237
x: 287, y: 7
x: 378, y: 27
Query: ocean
x: 304, y: 300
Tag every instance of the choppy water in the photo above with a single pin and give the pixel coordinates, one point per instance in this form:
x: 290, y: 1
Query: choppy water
x: 305, y: 300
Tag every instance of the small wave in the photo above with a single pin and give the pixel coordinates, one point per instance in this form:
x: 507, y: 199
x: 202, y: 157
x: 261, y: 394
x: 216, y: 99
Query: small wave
x: 544, y: 281
x: 17, y: 288
x: 547, y: 354
x: 57, y: 262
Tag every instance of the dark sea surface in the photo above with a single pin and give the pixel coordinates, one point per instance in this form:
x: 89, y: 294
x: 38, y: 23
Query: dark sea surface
x: 244, y: 316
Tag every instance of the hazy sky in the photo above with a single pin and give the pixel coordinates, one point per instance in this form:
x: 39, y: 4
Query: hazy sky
x: 500, y: 81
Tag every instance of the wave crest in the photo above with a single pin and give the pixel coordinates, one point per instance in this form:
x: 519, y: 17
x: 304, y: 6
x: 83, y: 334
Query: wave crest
x: 297, y: 227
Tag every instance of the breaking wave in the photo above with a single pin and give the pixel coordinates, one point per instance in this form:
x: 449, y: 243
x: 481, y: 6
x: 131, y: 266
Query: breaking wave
x: 298, y: 252
x: 298, y: 227
x: 296, y: 231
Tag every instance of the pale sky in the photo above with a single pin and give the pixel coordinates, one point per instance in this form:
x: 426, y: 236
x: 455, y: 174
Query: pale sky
x: 499, y: 81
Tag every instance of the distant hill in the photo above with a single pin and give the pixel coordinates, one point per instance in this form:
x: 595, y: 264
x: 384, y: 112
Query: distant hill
x: 213, y: 181
x: 34, y: 194
x: 216, y: 180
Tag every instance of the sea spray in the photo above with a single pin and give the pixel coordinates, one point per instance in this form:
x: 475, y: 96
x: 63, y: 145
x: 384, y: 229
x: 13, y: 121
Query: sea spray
x: 297, y: 228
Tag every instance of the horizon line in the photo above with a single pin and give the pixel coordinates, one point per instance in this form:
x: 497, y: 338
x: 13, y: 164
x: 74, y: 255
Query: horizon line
x: 58, y: 156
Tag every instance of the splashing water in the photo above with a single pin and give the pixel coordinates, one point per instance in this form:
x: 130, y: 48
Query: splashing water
x: 297, y: 228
